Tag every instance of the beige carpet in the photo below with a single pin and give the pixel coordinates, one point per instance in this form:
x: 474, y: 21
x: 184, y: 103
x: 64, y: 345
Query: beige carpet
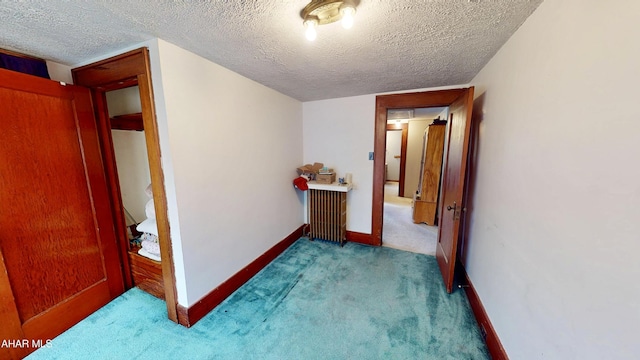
x: 399, y: 231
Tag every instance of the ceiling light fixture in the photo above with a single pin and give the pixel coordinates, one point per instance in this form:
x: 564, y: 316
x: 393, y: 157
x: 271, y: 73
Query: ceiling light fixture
x: 321, y: 12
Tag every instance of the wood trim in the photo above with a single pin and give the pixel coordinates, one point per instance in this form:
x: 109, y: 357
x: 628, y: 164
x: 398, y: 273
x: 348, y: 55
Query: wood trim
x: 352, y: 236
x: 20, y: 55
x: 384, y: 103
x: 403, y: 159
x: 360, y: 238
x: 112, y: 70
x: 111, y: 173
x: 118, y: 72
x: 403, y: 153
x: 159, y: 195
x: 494, y: 345
x: 189, y: 316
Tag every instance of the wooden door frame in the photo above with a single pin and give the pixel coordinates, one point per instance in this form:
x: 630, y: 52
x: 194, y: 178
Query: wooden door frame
x: 404, y: 127
x: 438, y: 98
x: 122, y: 71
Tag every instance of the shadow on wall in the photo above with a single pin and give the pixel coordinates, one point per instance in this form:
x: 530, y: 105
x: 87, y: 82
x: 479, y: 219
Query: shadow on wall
x: 477, y: 117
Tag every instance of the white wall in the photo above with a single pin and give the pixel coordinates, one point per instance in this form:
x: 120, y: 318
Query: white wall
x: 339, y: 133
x: 130, y: 148
x: 394, y: 148
x: 350, y: 124
x: 553, y: 239
x: 227, y: 211
x: 124, y: 101
x: 235, y: 145
x: 415, y: 139
x: 59, y: 72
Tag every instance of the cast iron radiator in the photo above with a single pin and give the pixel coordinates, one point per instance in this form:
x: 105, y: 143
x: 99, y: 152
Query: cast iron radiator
x: 328, y: 215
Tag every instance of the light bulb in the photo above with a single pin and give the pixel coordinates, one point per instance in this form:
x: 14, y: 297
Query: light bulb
x: 347, y: 16
x: 310, y: 33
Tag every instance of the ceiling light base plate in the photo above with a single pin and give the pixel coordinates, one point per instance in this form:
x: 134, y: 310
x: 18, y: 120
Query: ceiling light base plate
x: 326, y: 11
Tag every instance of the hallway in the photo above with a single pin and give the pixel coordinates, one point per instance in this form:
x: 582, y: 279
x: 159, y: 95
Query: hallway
x: 399, y: 231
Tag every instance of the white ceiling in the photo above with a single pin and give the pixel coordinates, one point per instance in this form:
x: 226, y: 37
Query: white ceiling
x: 393, y: 45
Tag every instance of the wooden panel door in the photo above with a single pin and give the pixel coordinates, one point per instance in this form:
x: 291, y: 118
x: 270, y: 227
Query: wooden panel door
x: 58, y: 256
x: 451, y: 206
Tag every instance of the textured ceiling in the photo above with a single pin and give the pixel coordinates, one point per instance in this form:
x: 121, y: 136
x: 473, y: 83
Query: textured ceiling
x: 393, y: 45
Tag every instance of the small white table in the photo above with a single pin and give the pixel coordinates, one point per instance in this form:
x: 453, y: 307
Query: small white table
x: 330, y: 187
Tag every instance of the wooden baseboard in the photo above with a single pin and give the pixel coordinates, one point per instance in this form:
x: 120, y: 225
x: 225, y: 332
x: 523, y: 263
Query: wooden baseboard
x: 356, y: 237
x: 494, y: 345
x: 360, y: 238
x: 189, y: 316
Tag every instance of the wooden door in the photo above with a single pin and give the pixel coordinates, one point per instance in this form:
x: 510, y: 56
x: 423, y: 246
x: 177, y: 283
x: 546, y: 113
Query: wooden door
x: 58, y: 256
x: 452, y: 204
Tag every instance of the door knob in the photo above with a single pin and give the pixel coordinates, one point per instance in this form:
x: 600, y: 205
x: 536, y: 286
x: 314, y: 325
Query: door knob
x: 456, y: 210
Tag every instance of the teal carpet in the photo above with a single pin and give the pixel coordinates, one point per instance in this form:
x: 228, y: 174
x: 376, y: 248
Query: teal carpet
x: 315, y: 301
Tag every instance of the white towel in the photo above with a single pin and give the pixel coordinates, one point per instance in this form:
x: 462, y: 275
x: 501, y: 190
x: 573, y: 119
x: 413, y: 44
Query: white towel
x: 151, y: 247
x: 149, y: 237
x: 146, y: 254
x: 150, y: 210
x: 149, y: 191
x: 148, y: 226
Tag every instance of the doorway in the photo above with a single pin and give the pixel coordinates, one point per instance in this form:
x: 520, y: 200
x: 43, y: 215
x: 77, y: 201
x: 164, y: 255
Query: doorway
x: 456, y: 146
x: 116, y: 73
x: 401, y: 229
x: 396, y: 154
x: 130, y: 150
x: 131, y: 167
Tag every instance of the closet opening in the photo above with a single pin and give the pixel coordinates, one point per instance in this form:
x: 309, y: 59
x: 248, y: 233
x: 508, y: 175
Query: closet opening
x: 125, y: 114
x: 456, y: 150
x: 136, y: 195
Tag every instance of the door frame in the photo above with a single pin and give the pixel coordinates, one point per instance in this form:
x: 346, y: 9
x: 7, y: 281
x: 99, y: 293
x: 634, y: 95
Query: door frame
x: 403, y: 153
x: 437, y: 98
x: 118, y: 72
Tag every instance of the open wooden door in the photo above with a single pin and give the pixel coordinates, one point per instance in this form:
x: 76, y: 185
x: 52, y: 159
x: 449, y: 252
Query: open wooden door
x: 452, y: 203
x: 58, y: 253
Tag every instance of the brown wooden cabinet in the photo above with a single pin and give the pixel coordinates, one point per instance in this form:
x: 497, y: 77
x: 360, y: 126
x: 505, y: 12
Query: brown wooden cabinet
x: 425, y: 200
